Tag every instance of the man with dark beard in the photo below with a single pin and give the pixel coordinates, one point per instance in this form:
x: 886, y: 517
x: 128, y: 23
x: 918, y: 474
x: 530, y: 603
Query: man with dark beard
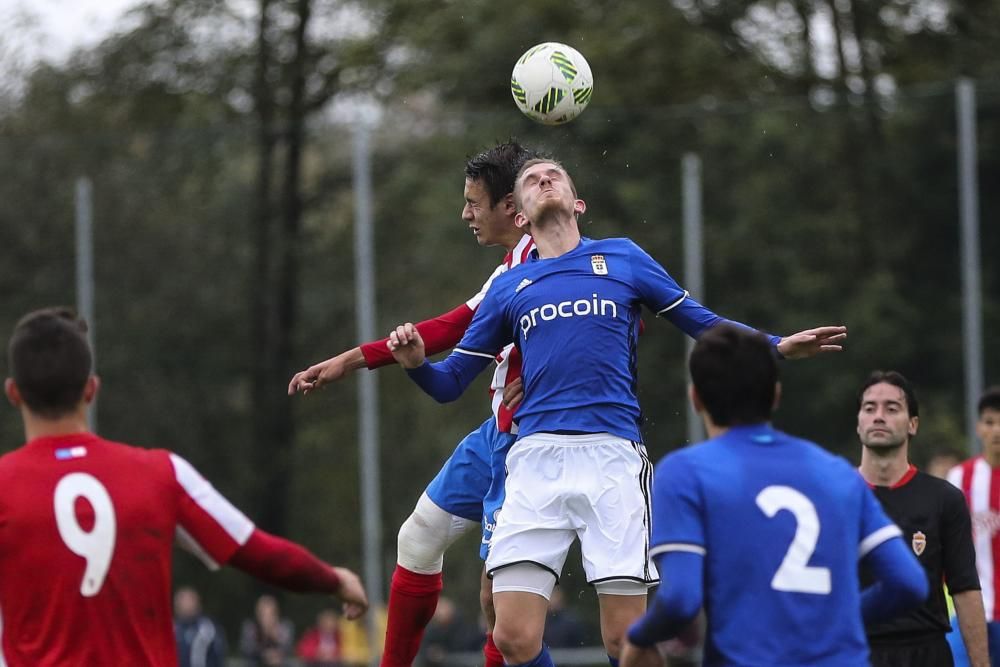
x: 934, y: 521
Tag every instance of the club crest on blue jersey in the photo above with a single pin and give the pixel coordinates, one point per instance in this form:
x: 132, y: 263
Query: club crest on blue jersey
x: 919, y: 542
x: 599, y: 265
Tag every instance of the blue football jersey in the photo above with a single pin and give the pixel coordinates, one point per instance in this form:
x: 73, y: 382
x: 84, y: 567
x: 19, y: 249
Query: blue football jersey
x: 782, y: 525
x: 575, y: 319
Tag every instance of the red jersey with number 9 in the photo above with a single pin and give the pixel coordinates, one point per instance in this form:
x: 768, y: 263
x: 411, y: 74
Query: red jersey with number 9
x: 86, y: 541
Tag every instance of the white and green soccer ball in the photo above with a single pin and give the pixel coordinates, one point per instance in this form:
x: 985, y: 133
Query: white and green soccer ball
x: 552, y: 83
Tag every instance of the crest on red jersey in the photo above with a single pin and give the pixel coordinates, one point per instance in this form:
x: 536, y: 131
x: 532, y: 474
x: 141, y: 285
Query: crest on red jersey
x: 599, y: 265
x: 919, y: 542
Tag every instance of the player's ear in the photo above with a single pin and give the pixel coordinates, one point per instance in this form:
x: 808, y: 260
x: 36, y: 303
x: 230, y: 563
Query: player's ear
x: 520, y: 220
x: 695, y: 399
x: 90, y: 389
x: 777, y: 397
x: 579, y: 207
x: 13, y: 395
x: 914, y: 423
x: 508, y: 204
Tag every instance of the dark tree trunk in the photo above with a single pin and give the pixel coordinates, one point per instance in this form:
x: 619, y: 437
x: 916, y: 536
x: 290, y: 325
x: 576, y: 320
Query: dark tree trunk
x: 268, y: 450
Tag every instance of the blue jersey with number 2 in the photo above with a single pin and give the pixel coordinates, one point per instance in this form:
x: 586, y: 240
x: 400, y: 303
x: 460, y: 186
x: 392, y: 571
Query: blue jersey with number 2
x: 782, y: 525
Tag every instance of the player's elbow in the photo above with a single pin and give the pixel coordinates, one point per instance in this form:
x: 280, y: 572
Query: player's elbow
x: 680, y: 601
x: 447, y: 397
x: 684, y: 605
x: 443, y: 395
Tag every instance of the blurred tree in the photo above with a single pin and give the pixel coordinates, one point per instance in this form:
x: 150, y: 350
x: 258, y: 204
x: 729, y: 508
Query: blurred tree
x: 224, y: 212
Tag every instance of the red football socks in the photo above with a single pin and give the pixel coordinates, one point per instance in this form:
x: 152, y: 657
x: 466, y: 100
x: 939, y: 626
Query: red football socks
x: 412, y: 600
x: 493, y: 656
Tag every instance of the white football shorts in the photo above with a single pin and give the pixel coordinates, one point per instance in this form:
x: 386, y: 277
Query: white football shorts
x: 596, y: 487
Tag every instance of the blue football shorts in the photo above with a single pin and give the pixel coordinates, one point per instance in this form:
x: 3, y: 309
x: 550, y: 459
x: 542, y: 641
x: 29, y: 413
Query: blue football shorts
x: 471, y: 482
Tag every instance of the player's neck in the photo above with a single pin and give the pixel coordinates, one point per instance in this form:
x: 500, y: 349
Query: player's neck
x: 884, y: 468
x: 714, y: 431
x: 39, y: 427
x: 511, y: 240
x: 556, y: 237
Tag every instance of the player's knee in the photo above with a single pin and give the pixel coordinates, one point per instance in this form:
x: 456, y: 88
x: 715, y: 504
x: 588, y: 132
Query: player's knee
x: 426, y: 535
x: 613, y: 636
x: 419, y: 549
x: 518, y: 642
x: 613, y: 643
x: 518, y: 631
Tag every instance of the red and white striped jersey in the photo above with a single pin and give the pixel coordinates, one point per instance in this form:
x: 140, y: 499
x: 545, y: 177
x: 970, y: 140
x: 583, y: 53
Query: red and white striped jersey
x: 87, y: 528
x: 509, y: 360
x: 444, y: 331
x: 980, y: 482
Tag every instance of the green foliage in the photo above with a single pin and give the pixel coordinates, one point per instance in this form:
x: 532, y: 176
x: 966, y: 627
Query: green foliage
x: 824, y: 202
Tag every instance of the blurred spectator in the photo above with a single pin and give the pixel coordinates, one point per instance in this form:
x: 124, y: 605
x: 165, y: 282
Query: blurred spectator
x: 447, y: 633
x: 356, y: 649
x: 200, y: 642
x: 320, y: 646
x: 563, y: 627
x: 266, y: 640
x: 941, y: 461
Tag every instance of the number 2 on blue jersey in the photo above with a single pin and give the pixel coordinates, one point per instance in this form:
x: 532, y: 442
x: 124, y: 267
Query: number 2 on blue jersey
x: 794, y: 574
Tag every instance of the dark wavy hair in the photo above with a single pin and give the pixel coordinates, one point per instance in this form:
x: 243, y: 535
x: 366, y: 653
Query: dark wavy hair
x: 497, y: 167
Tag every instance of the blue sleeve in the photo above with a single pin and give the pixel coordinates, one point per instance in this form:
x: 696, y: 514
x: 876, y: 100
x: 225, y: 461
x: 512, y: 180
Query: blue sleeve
x: 677, y: 601
x: 486, y: 336
x: 901, y: 583
x: 446, y: 380
x: 667, y: 299
x: 677, y: 506
x: 695, y: 319
x: 656, y: 288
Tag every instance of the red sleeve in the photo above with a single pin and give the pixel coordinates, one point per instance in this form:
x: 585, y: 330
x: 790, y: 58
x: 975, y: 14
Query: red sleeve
x: 210, y: 526
x: 284, y: 564
x: 440, y: 333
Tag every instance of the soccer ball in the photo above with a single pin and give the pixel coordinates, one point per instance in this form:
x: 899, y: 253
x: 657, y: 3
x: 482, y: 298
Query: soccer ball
x: 552, y: 83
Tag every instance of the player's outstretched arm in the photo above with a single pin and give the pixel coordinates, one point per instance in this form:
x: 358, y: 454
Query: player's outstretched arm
x: 325, y: 372
x: 439, y: 333
x: 811, y: 342
x: 901, y: 582
x: 287, y: 565
x: 444, y: 381
x: 695, y: 319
